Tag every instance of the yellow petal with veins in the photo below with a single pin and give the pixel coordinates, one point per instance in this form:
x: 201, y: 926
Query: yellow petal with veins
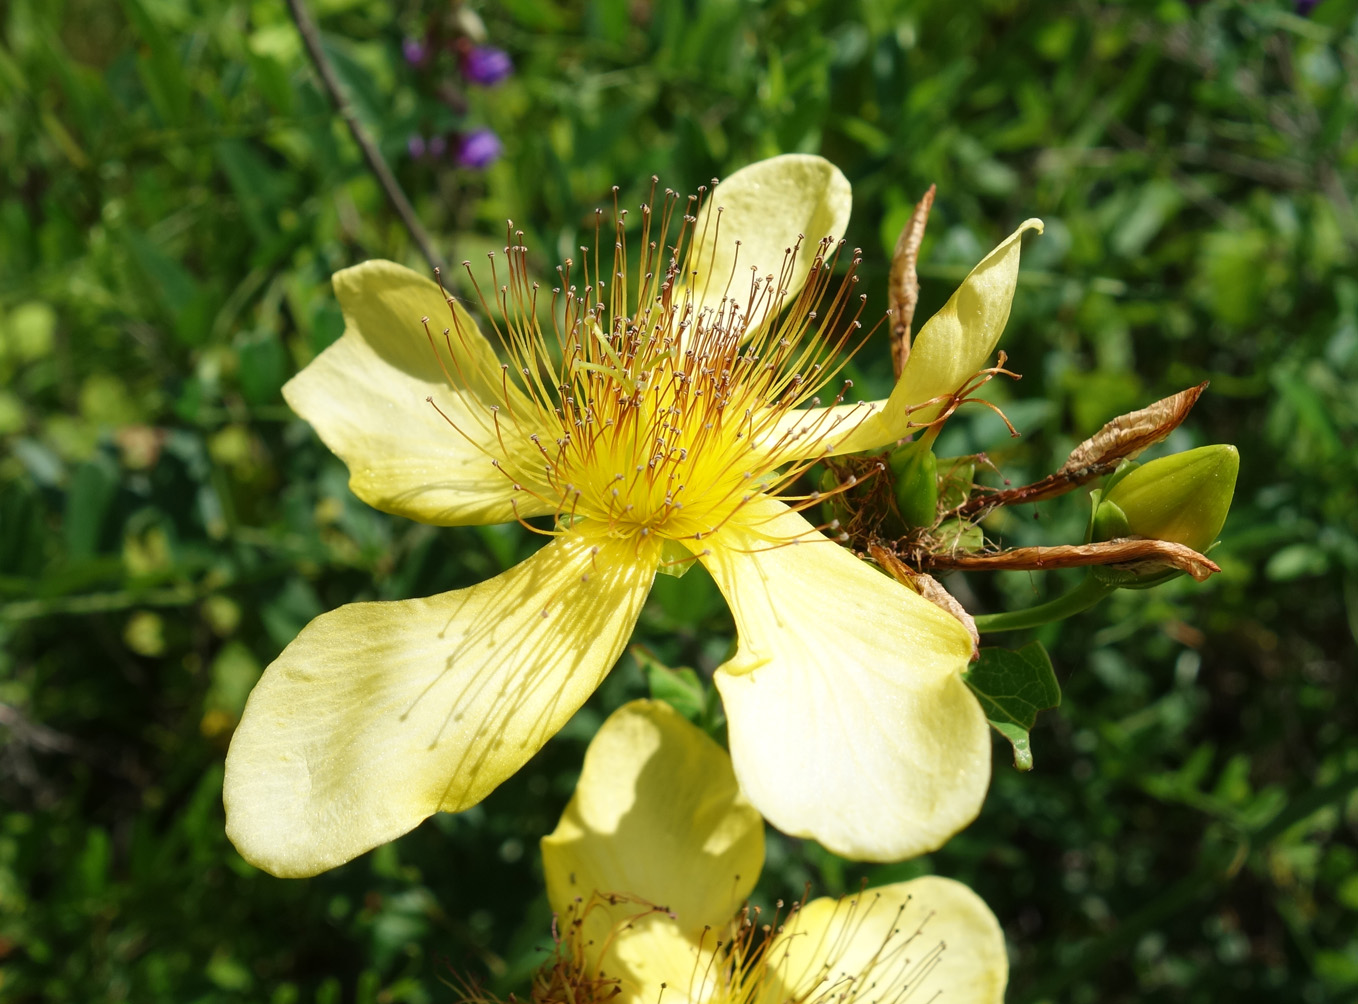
x: 654, y: 959
x: 765, y: 206
x: 656, y: 816
x: 367, y: 397
x: 848, y: 718
x: 381, y: 714
x: 930, y: 938
x: 954, y: 345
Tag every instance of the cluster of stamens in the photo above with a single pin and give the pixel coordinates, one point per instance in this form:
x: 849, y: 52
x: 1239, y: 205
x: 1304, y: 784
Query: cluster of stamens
x: 752, y: 961
x: 655, y: 410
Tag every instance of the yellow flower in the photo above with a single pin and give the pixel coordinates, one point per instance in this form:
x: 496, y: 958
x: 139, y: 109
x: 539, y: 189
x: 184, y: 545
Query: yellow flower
x: 655, y: 854
x: 659, y: 425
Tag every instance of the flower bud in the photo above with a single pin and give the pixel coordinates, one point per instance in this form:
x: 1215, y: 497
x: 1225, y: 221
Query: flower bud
x: 415, y: 51
x: 486, y: 65
x: 1182, y: 498
x: 915, y: 471
x: 479, y: 149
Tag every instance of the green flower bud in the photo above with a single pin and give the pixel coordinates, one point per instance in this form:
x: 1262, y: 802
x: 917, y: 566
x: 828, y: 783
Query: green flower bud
x: 1183, y: 498
x: 915, y: 471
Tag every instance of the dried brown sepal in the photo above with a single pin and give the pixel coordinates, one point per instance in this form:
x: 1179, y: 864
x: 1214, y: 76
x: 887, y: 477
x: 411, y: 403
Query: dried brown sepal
x: 1121, y: 439
x: 1128, y: 435
x: 1133, y: 555
x: 904, y: 281
x: 928, y: 587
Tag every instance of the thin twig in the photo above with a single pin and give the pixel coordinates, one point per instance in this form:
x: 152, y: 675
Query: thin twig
x: 306, y: 27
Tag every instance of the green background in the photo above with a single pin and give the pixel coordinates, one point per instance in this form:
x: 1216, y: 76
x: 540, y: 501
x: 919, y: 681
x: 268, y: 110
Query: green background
x: 174, y: 194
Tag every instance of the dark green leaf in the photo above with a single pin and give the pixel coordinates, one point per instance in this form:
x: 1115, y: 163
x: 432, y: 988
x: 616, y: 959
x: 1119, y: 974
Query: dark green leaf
x: 681, y: 688
x: 89, y: 497
x: 1013, y: 686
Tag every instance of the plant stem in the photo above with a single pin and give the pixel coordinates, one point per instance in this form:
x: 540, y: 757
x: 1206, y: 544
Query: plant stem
x: 1082, y: 597
x: 330, y: 83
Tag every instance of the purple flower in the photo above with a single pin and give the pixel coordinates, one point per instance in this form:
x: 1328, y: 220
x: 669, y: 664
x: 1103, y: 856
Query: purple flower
x: 486, y: 65
x: 415, y: 51
x: 479, y: 149
x: 438, y: 146
x: 415, y: 146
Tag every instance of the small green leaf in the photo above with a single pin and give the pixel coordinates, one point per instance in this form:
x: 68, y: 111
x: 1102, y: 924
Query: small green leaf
x: 89, y: 501
x: 680, y: 688
x: 1013, y: 686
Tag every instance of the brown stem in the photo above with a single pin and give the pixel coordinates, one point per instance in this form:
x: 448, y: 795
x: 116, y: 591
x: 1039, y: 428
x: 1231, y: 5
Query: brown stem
x: 1126, y: 553
x: 330, y: 83
x: 1049, y: 487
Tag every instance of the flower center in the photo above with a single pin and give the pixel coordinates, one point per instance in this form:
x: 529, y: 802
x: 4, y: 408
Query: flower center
x: 659, y: 413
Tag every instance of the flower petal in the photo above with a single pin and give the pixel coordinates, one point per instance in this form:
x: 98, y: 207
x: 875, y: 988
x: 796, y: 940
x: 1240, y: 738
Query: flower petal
x: 931, y: 938
x: 654, y: 959
x: 381, y: 714
x: 953, y: 346
x: 368, y: 397
x: 958, y: 341
x: 848, y: 718
x: 765, y: 206
x: 656, y: 815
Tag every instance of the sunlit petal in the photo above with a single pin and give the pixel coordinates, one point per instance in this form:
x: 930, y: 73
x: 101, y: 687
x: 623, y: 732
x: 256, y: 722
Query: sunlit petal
x: 848, y: 718
x: 655, y: 959
x: 366, y: 395
x: 928, y: 939
x: 764, y: 207
x: 380, y: 714
x: 954, y: 345
x: 657, y: 814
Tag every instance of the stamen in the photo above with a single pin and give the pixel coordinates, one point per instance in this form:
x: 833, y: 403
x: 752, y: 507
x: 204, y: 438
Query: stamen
x: 663, y: 407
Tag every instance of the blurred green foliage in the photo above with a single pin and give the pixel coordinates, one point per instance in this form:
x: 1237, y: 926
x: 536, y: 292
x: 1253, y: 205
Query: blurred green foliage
x: 174, y: 193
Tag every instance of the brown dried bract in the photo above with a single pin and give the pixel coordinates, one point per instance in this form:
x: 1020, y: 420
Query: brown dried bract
x: 1121, y: 439
x: 1128, y: 435
x: 1128, y: 554
x: 904, y: 281
x: 928, y: 587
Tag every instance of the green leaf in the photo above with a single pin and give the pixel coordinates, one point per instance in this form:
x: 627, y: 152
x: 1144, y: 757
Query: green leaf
x: 88, y: 501
x: 1013, y: 686
x: 685, y: 691
x: 680, y: 688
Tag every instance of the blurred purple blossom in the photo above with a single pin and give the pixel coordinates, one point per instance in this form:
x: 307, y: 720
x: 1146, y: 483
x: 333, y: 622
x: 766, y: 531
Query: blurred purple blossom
x: 1304, y: 7
x: 438, y: 146
x: 415, y: 51
x: 479, y: 149
x: 415, y: 146
x: 486, y: 65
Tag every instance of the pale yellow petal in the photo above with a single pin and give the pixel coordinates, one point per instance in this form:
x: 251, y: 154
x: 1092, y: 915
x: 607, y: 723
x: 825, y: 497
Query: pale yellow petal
x: 954, y: 345
x: 380, y: 714
x: 367, y: 396
x: 959, y: 340
x: 928, y: 939
x: 656, y: 815
x: 848, y: 718
x: 651, y: 958
x: 765, y: 207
